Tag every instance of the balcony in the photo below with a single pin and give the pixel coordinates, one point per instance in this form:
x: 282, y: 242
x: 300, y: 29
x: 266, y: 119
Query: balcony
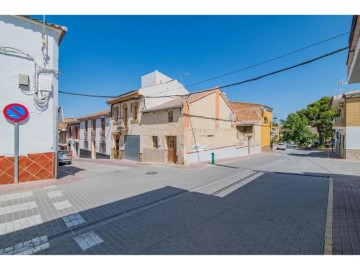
x: 339, y: 121
x: 119, y: 124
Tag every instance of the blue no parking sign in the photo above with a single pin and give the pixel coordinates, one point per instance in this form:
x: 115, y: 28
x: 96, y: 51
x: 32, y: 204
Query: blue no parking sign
x: 16, y: 112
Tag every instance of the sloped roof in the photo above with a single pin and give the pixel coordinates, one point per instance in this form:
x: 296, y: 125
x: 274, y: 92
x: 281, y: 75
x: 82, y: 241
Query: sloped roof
x: 95, y: 115
x: 63, y: 29
x: 179, y: 101
x: 61, y: 125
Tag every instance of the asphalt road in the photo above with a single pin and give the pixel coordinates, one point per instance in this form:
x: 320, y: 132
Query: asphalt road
x: 274, y: 203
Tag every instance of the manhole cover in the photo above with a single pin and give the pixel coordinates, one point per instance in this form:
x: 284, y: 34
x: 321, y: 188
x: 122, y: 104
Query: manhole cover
x: 149, y: 173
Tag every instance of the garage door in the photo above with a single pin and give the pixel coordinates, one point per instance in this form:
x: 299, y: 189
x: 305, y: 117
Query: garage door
x: 132, y: 147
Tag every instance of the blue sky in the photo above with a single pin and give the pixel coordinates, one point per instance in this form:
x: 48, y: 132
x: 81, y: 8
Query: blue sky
x: 107, y: 55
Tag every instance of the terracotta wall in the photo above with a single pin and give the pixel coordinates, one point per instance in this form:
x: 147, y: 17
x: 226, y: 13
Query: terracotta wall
x: 31, y: 168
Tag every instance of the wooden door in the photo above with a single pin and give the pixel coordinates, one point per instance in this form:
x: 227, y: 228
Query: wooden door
x: 171, y: 144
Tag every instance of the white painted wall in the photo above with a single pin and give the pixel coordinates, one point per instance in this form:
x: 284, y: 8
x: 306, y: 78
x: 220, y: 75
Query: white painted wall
x: 38, y: 133
x: 352, y: 140
x: 98, y: 135
x: 221, y: 153
x: 157, y: 84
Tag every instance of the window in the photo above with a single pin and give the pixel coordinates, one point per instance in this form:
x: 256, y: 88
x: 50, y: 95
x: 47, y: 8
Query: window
x: 265, y: 120
x: 155, y: 144
x: 103, y: 124
x: 135, y: 108
x: 170, y: 116
x: 115, y: 114
x: 102, y: 148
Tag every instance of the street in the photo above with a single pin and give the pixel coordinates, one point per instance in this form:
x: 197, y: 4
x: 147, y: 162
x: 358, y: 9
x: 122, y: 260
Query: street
x: 282, y: 202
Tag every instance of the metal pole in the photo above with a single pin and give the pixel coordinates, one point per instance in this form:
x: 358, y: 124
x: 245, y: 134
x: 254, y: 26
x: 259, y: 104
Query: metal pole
x: 16, y: 153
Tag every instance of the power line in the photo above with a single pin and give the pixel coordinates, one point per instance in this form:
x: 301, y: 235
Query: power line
x: 84, y: 95
x: 265, y: 75
x: 232, y: 84
x: 261, y: 63
x: 288, y: 68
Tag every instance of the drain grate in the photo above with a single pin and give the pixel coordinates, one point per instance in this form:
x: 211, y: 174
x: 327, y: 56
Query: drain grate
x: 150, y: 173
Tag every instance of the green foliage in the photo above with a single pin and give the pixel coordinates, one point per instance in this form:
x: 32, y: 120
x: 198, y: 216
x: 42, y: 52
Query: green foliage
x: 318, y: 114
x: 295, y: 128
x: 321, y: 115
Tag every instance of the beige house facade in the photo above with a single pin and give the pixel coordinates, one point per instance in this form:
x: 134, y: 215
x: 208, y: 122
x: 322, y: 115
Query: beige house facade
x: 346, y: 126
x: 153, y: 125
x: 254, y: 126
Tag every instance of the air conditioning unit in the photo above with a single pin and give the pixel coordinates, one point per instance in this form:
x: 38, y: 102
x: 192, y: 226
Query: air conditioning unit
x: 263, y: 110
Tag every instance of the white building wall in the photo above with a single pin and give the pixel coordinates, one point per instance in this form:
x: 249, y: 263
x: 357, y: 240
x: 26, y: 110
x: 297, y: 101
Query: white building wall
x: 352, y: 140
x: 38, y: 133
x: 221, y: 153
x: 108, y: 135
x: 82, y: 137
x: 98, y: 135
x: 157, y: 84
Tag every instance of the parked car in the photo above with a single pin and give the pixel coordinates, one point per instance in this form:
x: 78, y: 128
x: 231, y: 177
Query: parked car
x: 64, y: 157
x: 281, y: 146
x: 291, y: 145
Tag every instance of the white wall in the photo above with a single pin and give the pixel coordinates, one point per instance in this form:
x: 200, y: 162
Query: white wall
x: 352, y: 140
x: 157, y: 84
x: 221, y: 153
x: 98, y: 134
x: 82, y: 137
x: 38, y: 133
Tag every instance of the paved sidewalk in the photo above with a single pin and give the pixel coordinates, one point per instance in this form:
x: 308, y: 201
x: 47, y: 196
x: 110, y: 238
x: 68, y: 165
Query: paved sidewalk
x: 346, y: 224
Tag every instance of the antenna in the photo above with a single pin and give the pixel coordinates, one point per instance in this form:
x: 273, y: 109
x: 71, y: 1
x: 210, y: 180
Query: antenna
x: 341, y: 83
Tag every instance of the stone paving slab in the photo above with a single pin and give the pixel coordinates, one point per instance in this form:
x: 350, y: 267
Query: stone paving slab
x: 346, y: 215
x: 285, y: 214
x: 266, y: 216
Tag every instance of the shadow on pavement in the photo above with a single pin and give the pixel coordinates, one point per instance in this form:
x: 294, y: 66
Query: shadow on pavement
x: 315, y: 153
x: 278, y: 213
x: 66, y: 170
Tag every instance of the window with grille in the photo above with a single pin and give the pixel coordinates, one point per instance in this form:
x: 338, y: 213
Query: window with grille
x: 170, y: 116
x: 155, y: 144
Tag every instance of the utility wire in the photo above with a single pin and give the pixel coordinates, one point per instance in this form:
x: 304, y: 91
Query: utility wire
x: 265, y: 75
x: 84, y: 95
x: 232, y: 84
x: 261, y: 63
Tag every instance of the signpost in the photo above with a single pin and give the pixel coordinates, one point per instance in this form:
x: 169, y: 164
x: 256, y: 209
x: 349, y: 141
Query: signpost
x: 16, y: 113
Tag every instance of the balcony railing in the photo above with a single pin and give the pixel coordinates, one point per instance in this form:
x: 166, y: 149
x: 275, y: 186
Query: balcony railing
x: 119, y: 124
x: 339, y: 120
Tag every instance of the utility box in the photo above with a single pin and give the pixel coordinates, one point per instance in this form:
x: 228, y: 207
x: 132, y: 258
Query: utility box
x: 23, y: 80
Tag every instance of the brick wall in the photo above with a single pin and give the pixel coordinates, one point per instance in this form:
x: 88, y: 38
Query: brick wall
x: 31, y: 168
x: 353, y: 112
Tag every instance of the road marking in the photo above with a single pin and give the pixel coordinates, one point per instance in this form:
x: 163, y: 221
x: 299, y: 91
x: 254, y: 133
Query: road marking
x: 20, y: 224
x: 28, y: 247
x: 54, y: 194
x: 62, y: 205
x: 49, y: 187
x: 88, y: 240
x: 17, y: 207
x: 73, y: 220
x: 15, y: 196
x: 236, y: 186
x: 328, y: 246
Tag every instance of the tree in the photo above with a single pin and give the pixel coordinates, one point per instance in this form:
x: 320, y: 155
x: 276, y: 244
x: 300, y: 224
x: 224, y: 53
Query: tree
x: 321, y: 115
x: 295, y: 128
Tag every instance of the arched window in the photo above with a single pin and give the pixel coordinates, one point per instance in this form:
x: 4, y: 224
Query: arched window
x: 265, y: 120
